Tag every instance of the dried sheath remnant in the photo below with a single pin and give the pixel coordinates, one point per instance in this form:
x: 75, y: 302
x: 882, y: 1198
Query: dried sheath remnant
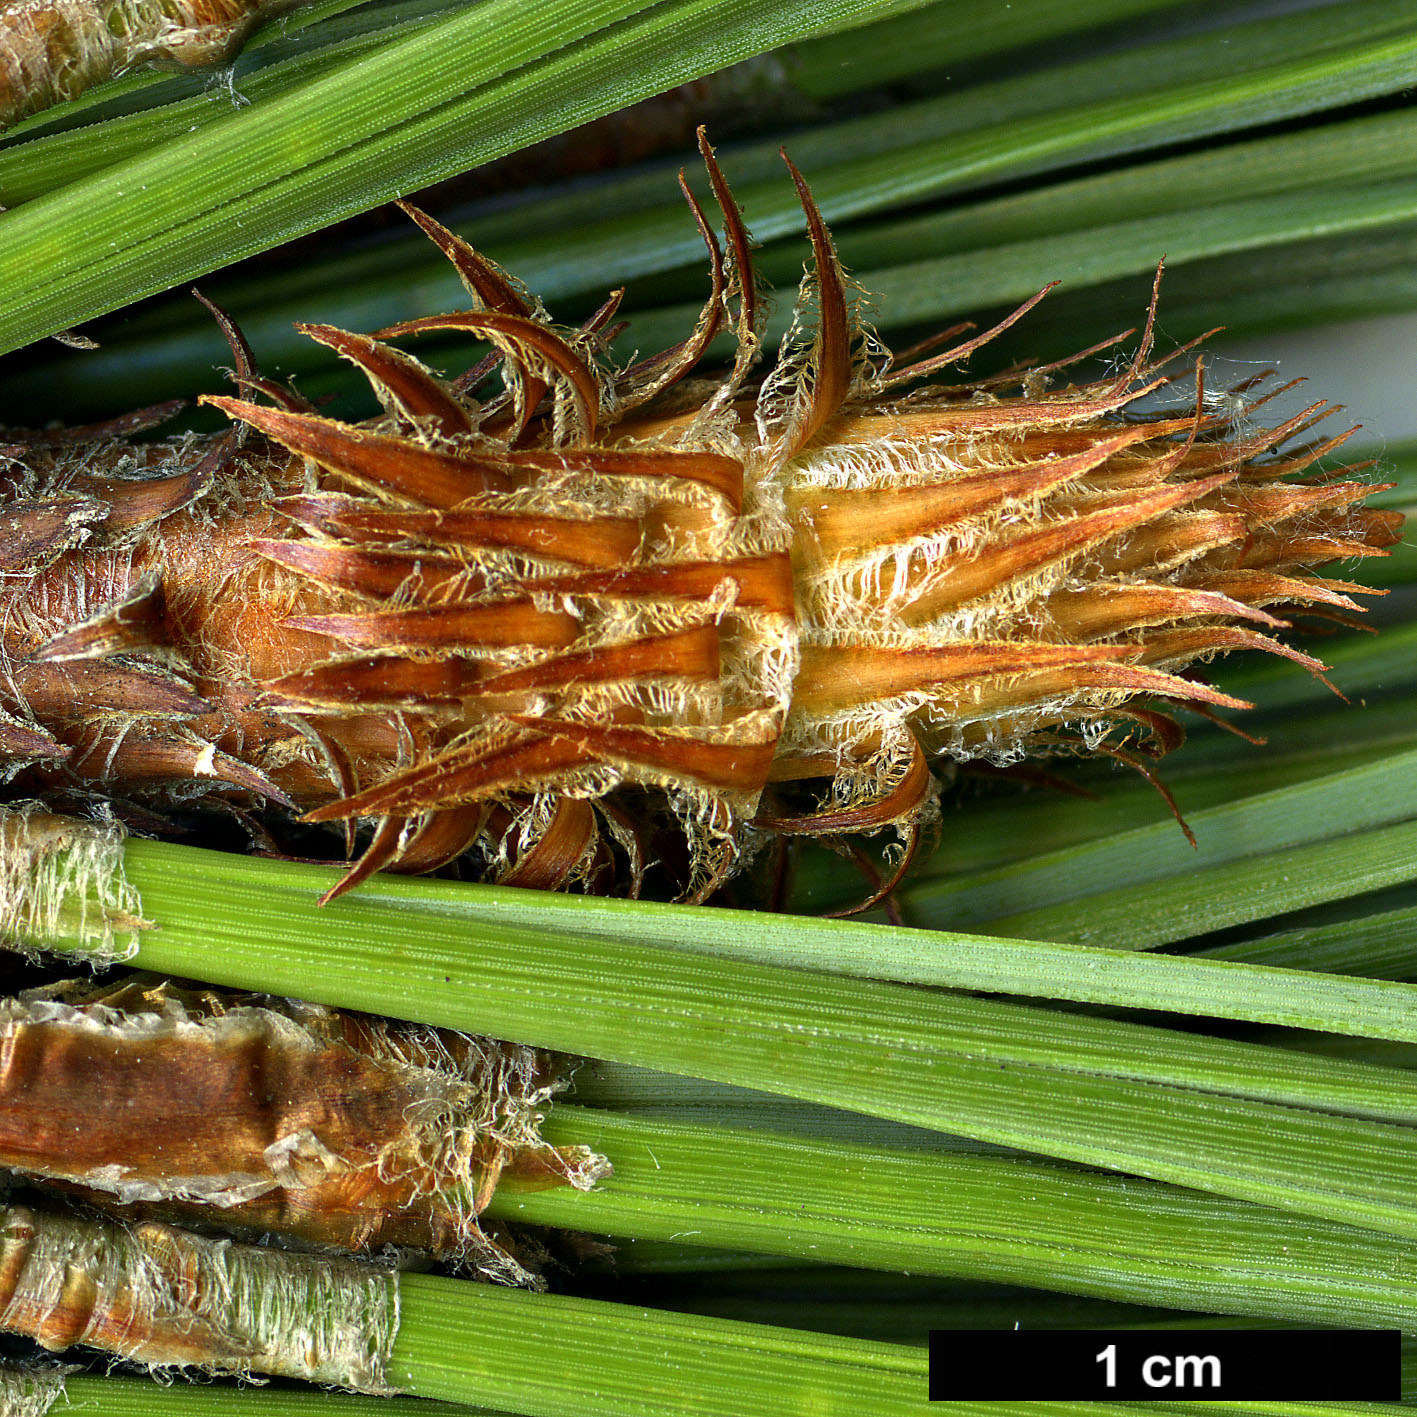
x: 163, y: 1297
x: 259, y: 1115
x: 52, y: 50
x: 62, y: 886
x: 29, y: 1392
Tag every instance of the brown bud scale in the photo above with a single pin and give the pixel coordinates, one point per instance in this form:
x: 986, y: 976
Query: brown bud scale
x: 541, y: 625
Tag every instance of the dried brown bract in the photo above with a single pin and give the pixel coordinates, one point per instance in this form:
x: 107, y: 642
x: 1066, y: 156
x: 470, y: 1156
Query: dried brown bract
x: 266, y: 1116
x: 540, y: 625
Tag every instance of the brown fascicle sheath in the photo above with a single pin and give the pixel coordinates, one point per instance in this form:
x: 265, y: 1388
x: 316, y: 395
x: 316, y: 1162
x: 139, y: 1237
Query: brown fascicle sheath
x: 260, y: 1115
x: 160, y: 1296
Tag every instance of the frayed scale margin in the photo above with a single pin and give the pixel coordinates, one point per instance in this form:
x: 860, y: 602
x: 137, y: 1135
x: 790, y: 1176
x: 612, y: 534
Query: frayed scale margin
x: 29, y: 1392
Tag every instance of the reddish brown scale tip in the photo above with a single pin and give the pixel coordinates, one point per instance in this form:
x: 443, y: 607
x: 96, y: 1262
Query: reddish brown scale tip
x: 715, y: 471
x: 689, y: 655
x: 894, y: 378
x: 530, y: 343
x: 21, y: 743
x: 831, y: 349
x: 380, y: 462
x: 1014, y: 553
x: 448, y: 629
x: 241, y: 354
x: 110, y: 430
x: 730, y: 767
x: 651, y: 377
x: 377, y: 681
x: 376, y: 575
x: 459, y: 776
x: 381, y: 852
x: 760, y: 583
x: 33, y: 533
x: 900, y: 802
x: 835, y: 678
x: 482, y: 279
x: 137, y: 622
x: 560, y: 849
x: 73, y: 690
x: 844, y: 522
x: 403, y: 384
x: 590, y: 541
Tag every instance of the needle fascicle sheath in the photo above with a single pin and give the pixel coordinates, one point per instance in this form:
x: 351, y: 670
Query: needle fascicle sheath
x: 62, y: 888
x: 53, y: 50
x: 167, y: 1298
x: 262, y: 1116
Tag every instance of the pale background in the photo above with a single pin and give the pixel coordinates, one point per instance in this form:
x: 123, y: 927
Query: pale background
x: 1368, y: 365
